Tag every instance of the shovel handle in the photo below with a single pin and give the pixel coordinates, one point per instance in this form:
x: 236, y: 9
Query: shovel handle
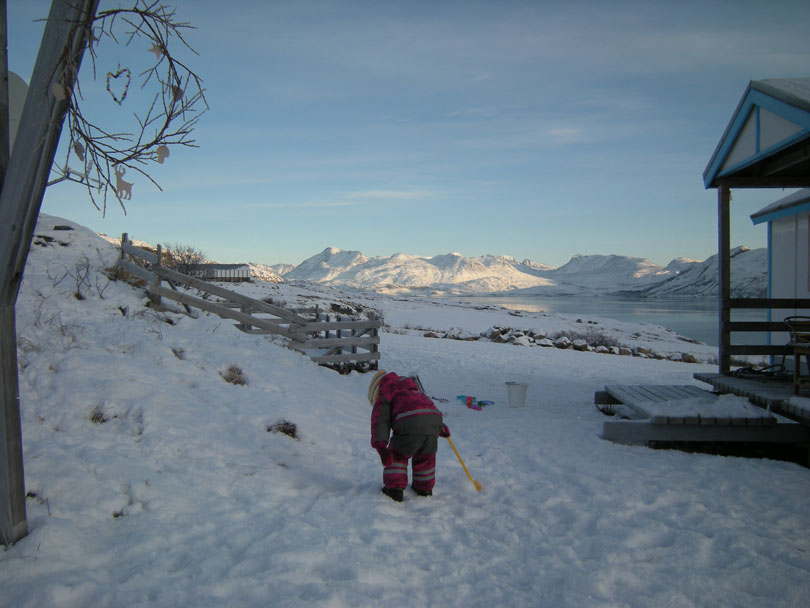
x: 463, y: 466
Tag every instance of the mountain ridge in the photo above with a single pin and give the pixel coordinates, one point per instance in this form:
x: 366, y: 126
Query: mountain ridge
x: 454, y: 274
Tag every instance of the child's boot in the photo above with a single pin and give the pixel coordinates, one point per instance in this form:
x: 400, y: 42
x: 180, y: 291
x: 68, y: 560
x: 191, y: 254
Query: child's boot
x: 393, y: 493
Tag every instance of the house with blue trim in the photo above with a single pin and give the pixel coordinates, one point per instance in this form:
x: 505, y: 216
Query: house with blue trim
x: 766, y: 144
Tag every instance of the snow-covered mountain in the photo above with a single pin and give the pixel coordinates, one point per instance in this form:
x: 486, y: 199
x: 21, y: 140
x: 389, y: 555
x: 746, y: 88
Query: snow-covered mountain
x: 582, y: 275
x: 265, y: 273
x: 453, y: 273
x: 749, y: 276
x: 327, y: 266
x: 402, y: 272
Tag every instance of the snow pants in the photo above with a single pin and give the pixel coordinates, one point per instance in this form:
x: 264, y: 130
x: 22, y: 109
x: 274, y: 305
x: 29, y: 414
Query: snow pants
x: 422, y: 450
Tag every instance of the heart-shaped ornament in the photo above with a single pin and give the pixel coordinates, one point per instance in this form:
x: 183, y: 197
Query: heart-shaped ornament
x: 118, y: 84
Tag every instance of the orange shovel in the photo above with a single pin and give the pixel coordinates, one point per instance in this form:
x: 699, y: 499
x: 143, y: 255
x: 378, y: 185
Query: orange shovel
x: 477, y: 484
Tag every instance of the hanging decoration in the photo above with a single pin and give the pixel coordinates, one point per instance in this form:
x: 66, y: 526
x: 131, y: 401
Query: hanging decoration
x: 172, y: 94
x: 113, y: 76
x: 78, y: 148
x: 58, y: 91
x: 123, y: 188
x: 157, y: 50
x: 177, y: 92
x: 161, y: 153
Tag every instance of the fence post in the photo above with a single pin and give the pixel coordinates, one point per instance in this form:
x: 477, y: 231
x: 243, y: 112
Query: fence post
x: 154, y: 298
x: 245, y: 309
x: 375, y: 347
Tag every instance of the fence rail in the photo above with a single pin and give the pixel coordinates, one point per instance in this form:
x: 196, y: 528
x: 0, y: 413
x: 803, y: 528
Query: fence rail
x: 343, y: 343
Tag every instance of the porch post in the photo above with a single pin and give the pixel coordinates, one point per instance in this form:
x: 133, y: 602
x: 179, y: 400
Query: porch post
x: 724, y: 275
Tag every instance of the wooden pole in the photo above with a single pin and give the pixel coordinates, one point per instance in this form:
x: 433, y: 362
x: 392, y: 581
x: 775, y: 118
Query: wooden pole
x: 5, y: 128
x: 12, y: 499
x: 724, y: 274
x: 13, y: 522
x: 65, y: 36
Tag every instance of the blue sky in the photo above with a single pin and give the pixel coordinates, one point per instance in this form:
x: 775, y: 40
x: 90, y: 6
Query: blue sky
x: 533, y: 129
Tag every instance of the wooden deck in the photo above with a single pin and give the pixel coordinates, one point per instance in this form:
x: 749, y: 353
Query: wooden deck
x: 688, y: 413
x: 774, y: 393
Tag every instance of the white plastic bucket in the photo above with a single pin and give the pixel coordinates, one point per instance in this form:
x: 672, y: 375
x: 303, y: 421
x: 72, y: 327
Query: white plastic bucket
x: 517, y: 393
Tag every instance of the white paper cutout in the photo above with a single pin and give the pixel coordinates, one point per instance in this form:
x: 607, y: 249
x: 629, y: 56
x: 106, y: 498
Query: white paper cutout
x: 157, y: 50
x: 58, y: 90
x: 123, y: 189
x: 162, y: 153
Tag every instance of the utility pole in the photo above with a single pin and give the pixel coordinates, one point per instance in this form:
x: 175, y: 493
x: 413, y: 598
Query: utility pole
x: 23, y: 186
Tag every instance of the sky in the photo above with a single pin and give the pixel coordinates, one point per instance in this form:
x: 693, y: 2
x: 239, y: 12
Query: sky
x: 538, y: 130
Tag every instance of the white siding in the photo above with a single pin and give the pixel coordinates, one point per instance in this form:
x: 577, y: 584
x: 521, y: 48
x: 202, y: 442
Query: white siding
x: 784, y: 269
x: 773, y: 129
x: 790, y: 257
x: 789, y: 266
x: 745, y: 145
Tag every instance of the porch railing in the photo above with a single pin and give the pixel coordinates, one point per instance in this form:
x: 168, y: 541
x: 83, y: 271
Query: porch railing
x: 779, y: 348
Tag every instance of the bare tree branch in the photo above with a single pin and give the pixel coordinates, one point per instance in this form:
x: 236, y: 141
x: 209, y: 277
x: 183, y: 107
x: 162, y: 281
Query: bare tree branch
x: 169, y: 120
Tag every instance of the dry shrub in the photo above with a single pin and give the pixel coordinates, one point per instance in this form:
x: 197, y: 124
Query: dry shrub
x: 97, y: 416
x: 234, y: 375
x: 285, y: 427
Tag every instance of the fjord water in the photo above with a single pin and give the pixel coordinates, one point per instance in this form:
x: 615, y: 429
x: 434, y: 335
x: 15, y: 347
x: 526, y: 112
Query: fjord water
x: 695, y: 318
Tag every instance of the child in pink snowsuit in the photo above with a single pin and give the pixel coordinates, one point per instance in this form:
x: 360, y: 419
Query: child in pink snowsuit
x: 399, y: 406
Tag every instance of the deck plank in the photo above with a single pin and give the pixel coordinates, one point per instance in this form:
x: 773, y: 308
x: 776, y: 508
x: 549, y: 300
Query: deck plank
x: 773, y: 393
x: 687, y: 405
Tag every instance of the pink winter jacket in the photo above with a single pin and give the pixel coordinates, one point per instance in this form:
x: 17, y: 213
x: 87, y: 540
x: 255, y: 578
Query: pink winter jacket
x: 400, y: 407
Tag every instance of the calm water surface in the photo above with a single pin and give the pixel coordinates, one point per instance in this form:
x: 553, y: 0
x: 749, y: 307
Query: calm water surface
x: 695, y: 318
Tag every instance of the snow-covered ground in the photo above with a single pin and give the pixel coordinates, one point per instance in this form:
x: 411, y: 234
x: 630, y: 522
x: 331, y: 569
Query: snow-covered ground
x: 153, y: 482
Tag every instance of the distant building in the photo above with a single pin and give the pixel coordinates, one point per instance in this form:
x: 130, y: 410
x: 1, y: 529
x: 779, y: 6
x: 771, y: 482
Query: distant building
x: 230, y: 273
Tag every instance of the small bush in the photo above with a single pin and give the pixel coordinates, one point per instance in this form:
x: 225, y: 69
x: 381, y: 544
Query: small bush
x: 343, y: 309
x: 285, y: 427
x: 97, y: 415
x: 234, y: 375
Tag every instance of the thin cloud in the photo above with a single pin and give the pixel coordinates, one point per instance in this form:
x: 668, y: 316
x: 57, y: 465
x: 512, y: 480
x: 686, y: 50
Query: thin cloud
x: 388, y: 195
x: 303, y: 205
x: 351, y: 199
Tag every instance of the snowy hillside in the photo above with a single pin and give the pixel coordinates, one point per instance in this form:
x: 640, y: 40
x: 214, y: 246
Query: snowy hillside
x: 582, y: 275
x: 154, y: 481
x: 263, y: 272
x: 748, y: 272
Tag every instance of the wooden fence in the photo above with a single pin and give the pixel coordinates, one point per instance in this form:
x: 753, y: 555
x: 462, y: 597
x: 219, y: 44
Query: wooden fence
x: 341, y: 342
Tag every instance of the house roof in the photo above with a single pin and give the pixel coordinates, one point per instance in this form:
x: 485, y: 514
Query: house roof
x: 218, y: 266
x: 767, y: 140
x: 798, y: 202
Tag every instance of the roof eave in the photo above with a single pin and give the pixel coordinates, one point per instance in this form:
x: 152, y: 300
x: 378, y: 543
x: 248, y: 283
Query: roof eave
x: 708, y: 174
